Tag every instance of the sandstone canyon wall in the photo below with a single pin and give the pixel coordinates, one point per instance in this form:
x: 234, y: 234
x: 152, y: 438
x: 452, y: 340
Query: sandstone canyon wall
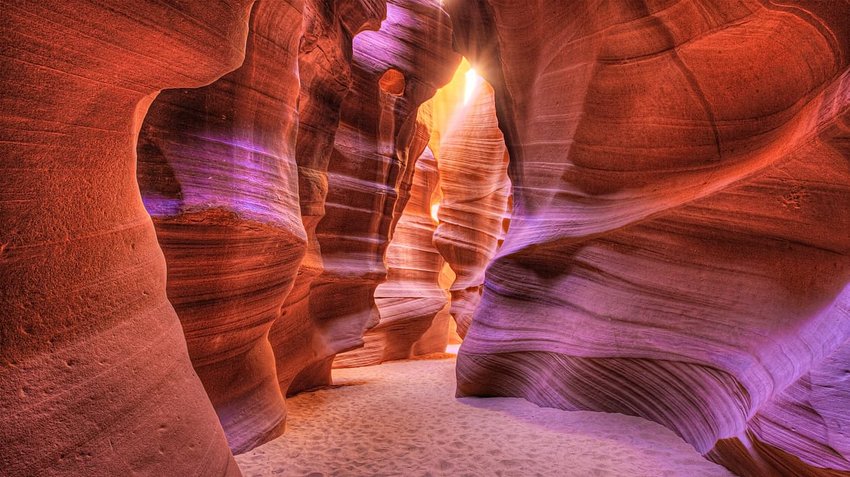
x: 218, y: 175
x: 679, y: 248
x: 394, y: 70
x: 473, y: 163
x: 410, y: 299
x: 325, y: 73
x: 325, y: 63
x: 95, y: 378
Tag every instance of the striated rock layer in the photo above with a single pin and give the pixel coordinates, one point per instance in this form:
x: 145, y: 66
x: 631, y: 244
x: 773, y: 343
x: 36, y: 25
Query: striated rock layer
x: 411, y: 298
x: 394, y: 70
x: 95, y: 378
x: 218, y: 175
x: 475, y: 192
x: 679, y: 248
x: 325, y: 74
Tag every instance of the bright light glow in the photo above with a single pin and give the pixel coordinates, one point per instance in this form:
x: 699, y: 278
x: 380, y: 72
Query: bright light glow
x: 435, y: 210
x: 473, y: 81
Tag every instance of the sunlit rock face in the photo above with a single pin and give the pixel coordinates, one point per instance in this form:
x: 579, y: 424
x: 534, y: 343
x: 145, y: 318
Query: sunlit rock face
x: 475, y: 190
x: 325, y: 76
x: 94, y: 374
x: 679, y: 243
x: 409, y: 300
x: 218, y: 175
x: 394, y: 70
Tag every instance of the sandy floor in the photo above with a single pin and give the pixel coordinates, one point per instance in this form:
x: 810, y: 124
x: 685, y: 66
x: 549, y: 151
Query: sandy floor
x: 402, y: 419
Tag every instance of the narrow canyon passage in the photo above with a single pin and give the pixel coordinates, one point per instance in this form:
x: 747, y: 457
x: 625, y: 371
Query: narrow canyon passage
x: 237, y: 236
x: 401, y: 419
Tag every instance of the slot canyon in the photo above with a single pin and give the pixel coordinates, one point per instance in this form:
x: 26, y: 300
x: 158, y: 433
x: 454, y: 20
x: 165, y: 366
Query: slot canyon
x: 425, y: 238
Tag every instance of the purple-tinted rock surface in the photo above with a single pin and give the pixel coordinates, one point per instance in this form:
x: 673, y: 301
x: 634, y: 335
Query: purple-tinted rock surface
x: 218, y: 175
x: 679, y: 248
x: 394, y: 70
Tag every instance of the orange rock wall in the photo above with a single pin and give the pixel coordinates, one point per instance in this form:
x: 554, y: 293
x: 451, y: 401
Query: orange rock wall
x: 411, y: 297
x: 679, y: 246
x: 394, y: 70
x: 473, y: 163
x: 218, y: 175
x: 95, y: 378
x: 325, y: 75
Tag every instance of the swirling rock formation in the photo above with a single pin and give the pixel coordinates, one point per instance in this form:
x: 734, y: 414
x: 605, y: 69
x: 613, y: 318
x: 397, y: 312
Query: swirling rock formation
x: 94, y: 374
x: 218, y: 175
x: 679, y: 245
x: 394, y: 70
x: 411, y: 298
x: 325, y: 74
x: 475, y: 187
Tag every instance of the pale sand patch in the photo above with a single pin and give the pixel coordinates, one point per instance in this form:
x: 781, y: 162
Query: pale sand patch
x: 402, y: 419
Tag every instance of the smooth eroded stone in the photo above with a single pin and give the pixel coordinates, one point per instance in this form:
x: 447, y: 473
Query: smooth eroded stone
x: 95, y: 378
x: 218, y: 175
x: 411, y: 298
x: 325, y: 75
x: 394, y: 70
x: 679, y: 247
x: 473, y: 164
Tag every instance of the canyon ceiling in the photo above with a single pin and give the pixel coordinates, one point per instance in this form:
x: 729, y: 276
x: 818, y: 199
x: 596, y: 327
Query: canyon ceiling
x: 205, y: 206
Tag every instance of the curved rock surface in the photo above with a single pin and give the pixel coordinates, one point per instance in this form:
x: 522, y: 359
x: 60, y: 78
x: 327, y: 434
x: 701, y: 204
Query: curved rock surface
x: 679, y: 247
x: 325, y: 75
x: 411, y: 298
x: 475, y: 188
x: 394, y: 70
x: 218, y: 175
x: 95, y: 378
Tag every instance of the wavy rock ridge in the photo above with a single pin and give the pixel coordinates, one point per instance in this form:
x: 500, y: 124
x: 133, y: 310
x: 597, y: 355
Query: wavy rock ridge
x: 394, y: 71
x: 475, y: 189
x: 679, y: 247
x: 411, y: 298
x: 218, y: 175
x: 324, y: 62
x: 95, y: 378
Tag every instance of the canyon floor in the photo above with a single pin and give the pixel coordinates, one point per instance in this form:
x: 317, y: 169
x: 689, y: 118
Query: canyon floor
x: 402, y: 419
